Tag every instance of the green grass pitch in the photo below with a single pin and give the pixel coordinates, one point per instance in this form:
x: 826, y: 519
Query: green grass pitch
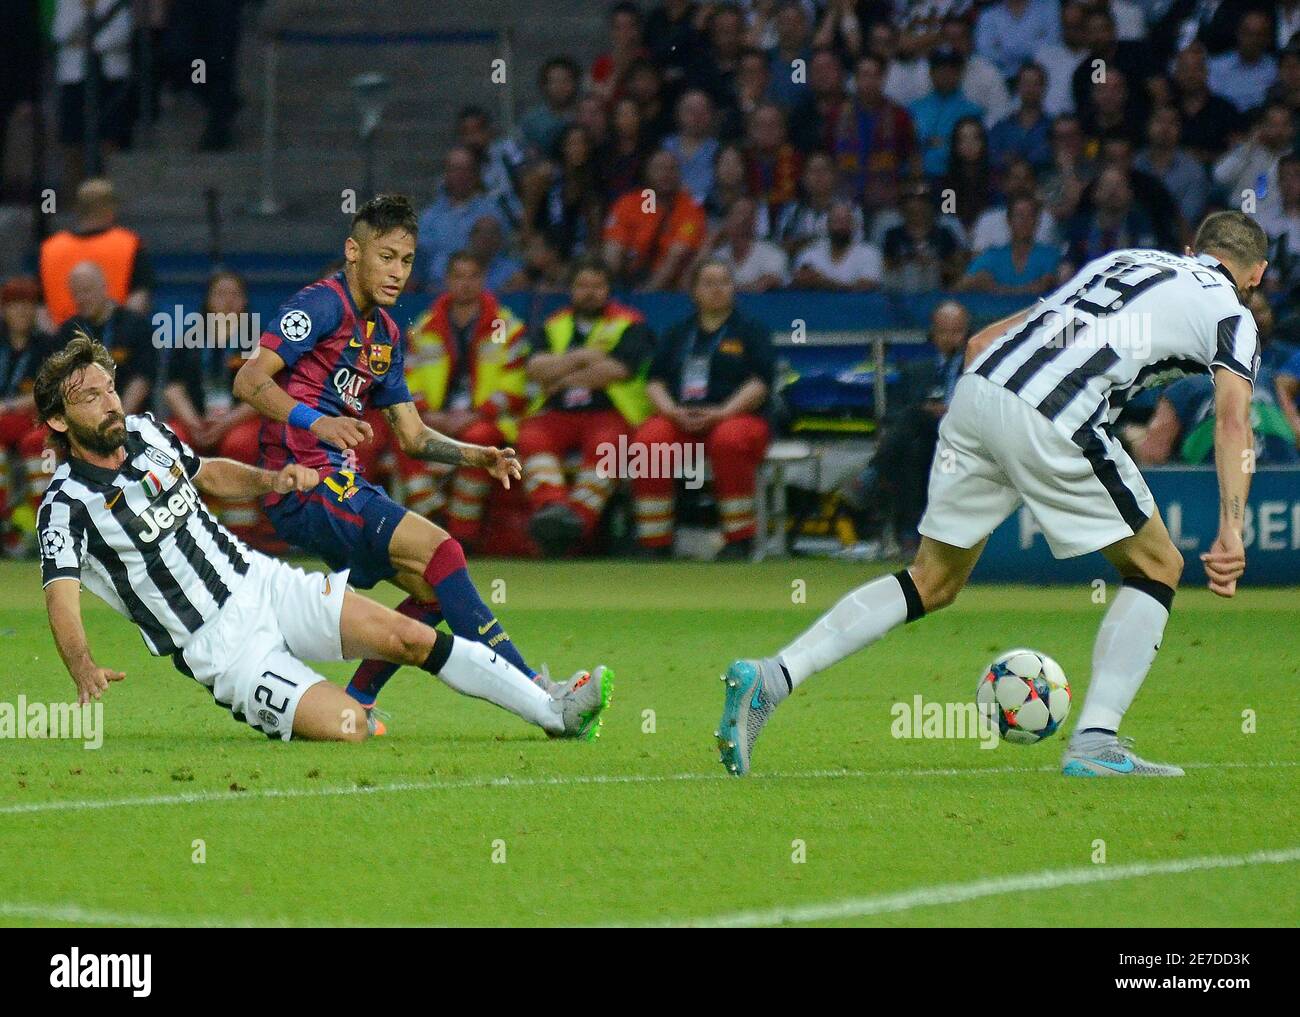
x: 464, y: 815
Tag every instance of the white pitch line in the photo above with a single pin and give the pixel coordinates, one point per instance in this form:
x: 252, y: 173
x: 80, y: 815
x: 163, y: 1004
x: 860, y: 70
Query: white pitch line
x: 74, y: 914
x: 208, y: 797
x: 944, y: 894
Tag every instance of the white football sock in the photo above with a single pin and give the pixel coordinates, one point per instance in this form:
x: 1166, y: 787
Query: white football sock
x: 861, y: 617
x: 1126, y: 645
x: 474, y: 670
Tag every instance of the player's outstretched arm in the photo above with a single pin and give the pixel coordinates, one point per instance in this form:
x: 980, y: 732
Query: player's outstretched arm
x: 230, y: 480
x: 255, y: 385
x: 1234, y: 459
x: 63, y: 604
x: 419, y: 440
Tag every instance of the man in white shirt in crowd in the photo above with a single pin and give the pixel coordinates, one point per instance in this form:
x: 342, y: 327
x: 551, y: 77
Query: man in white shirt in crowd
x: 838, y: 263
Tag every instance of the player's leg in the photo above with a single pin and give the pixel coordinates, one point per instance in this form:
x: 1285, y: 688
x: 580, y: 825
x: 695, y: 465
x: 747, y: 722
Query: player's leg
x: 1130, y: 634
x: 328, y: 714
x: 372, y: 631
x: 431, y: 568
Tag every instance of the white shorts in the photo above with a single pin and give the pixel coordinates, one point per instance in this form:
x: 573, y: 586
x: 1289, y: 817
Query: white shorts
x: 996, y: 451
x: 250, y: 656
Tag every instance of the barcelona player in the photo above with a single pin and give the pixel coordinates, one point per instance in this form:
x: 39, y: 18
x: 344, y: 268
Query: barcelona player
x: 331, y: 354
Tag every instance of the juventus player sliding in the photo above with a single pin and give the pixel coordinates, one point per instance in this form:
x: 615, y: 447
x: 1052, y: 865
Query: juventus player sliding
x: 1030, y: 422
x: 123, y: 517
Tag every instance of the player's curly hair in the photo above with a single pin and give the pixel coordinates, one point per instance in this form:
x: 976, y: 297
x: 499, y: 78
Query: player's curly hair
x: 1234, y: 234
x: 51, y: 380
x: 384, y: 213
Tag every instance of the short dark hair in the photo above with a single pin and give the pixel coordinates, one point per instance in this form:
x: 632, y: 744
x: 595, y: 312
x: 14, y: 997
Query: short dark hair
x: 567, y: 63
x: 626, y: 7
x: 51, y: 380
x: 590, y: 263
x: 384, y: 213
x: 1234, y: 234
x: 473, y: 111
x: 468, y: 256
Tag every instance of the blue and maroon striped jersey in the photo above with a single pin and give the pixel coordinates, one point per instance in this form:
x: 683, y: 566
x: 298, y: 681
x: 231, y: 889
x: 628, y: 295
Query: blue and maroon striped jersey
x: 335, y: 362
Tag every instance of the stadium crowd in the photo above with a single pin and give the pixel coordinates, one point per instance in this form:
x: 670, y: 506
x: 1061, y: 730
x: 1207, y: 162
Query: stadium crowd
x: 726, y: 149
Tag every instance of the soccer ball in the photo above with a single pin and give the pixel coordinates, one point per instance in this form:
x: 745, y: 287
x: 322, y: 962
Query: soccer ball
x: 1028, y: 693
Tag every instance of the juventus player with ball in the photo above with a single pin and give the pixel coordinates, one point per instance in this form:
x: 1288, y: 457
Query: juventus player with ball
x: 1030, y: 423
x: 123, y: 517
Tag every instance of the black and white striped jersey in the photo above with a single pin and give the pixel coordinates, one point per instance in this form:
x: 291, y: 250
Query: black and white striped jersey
x: 1129, y: 319
x: 140, y: 537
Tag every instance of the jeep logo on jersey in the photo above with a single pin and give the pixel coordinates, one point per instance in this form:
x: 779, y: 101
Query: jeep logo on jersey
x: 158, y: 520
x: 381, y: 358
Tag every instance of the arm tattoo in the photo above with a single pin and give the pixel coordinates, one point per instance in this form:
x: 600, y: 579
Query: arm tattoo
x: 439, y: 450
x: 390, y: 414
x: 265, y: 384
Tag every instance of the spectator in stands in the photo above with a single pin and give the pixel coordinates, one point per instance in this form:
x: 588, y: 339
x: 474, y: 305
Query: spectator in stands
x: 1110, y: 111
x: 1129, y: 58
x: 96, y: 236
x: 1181, y: 175
x: 1172, y: 232
x: 499, y: 159
x: 876, y: 145
x: 20, y: 85
x: 1248, y: 171
x: 891, y: 492
x: 715, y: 66
x: 673, y: 34
x: 804, y: 222
x: 936, y: 114
x: 756, y: 265
x: 813, y: 122
x: 709, y: 383
x: 444, y: 226
x: 982, y: 82
x: 1072, y: 169
x: 127, y: 335
x: 502, y: 273
x: 730, y: 184
x: 1209, y: 120
x: 993, y: 227
x: 1243, y: 75
x: 1113, y: 221
x: 921, y: 253
x: 1283, y: 228
x: 1061, y: 59
x: 561, y: 197
x: 968, y: 184
x: 753, y: 88
x: 646, y: 86
x: 1027, y: 132
x: 1287, y: 385
x: 621, y: 163
x: 593, y: 118
x: 790, y: 55
x: 1286, y: 89
x: 1008, y: 31
x: 112, y: 47
x: 651, y: 238
x: 772, y: 165
x: 696, y: 143
x: 839, y: 262
x: 544, y: 269
x: 465, y: 368
x: 589, y: 362
x: 626, y: 45
x: 541, y: 126
x: 1023, y: 267
x: 22, y: 438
